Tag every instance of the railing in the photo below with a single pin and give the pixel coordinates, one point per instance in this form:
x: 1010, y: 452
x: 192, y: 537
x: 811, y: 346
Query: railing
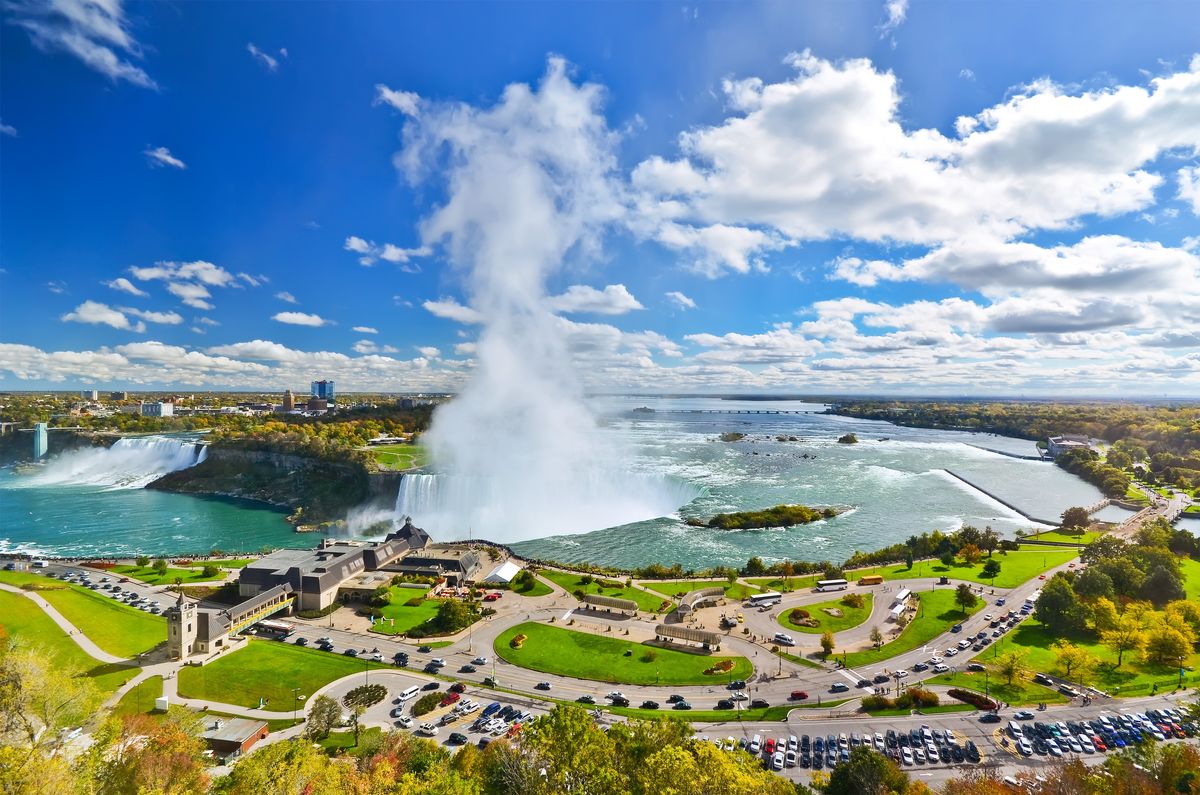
x: 261, y: 613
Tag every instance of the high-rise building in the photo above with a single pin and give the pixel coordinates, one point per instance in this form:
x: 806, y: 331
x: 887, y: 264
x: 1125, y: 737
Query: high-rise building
x: 118, y: 396
x: 158, y: 409
x: 41, y: 441
x: 90, y: 394
x: 323, y: 390
x: 289, y: 400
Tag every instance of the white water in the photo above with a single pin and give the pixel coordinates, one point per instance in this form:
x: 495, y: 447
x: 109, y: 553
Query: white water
x: 487, y: 507
x: 130, y: 463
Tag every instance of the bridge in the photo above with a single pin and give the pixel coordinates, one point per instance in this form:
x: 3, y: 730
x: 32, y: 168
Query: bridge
x: 739, y: 411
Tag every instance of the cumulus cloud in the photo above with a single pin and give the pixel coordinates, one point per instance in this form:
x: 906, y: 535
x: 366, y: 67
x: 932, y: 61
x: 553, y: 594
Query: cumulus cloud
x: 896, y: 11
x: 187, y: 281
x: 680, y: 300
x: 193, y: 295
x: 450, y: 309
x: 124, y: 285
x: 98, y: 314
x: 300, y: 319
x: 369, y: 253
x: 429, y: 352
x: 160, y: 156
x: 369, y: 346
x: 94, y: 31
x: 166, y: 318
x: 615, y: 299
x: 406, y: 102
x: 1189, y: 187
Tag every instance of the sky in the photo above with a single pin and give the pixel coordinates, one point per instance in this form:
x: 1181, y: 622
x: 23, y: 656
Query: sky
x: 898, y: 197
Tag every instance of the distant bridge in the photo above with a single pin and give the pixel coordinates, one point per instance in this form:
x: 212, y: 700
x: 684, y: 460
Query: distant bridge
x: 737, y: 411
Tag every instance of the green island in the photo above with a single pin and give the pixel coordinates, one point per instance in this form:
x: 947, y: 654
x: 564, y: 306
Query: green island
x: 608, y: 658
x: 850, y: 616
x: 778, y: 516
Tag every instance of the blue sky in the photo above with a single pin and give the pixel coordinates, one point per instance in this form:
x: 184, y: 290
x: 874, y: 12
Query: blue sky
x: 826, y: 223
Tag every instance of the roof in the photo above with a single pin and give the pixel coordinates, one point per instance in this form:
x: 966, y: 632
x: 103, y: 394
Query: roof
x: 233, y: 730
x: 503, y: 573
x: 688, y: 633
x: 693, y: 598
x: 609, y: 601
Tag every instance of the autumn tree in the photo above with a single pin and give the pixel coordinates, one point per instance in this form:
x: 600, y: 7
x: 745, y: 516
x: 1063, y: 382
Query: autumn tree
x: 1166, y: 644
x: 1072, y: 659
x: 149, y: 753
x: 827, y: 643
x: 1075, y: 519
x: 876, y: 637
x: 1125, y: 636
x: 39, y: 697
x: 323, y: 715
x: 867, y: 771
x: 1011, y: 665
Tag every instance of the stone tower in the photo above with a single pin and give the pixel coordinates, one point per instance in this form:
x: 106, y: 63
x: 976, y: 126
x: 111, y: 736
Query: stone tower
x: 181, y: 629
x: 289, y: 400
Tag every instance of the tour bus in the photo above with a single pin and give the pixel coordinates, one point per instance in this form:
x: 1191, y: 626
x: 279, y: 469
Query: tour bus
x: 40, y: 564
x: 765, y: 599
x: 871, y: 579
x: 408, y: 693
x: 280, y: 629
x: 832, y: 585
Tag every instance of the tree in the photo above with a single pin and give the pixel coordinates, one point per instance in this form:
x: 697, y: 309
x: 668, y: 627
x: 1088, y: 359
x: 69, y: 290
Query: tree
x: 1125, y: 636
x: 210, y: 571
x: 1165, y: 644
x: 827, y: 643
x: 146, y: 753
x: 991, y: 569
x: 1106, y: 547
x: 970, y: 553
x: 142, y: 561
x: 867, y: 772
x: 989, y: 541
x: 1162, y: 586
x: 1011, y: 665
x: 39, y: 698
x: 876, y: 637
x: 947, y: 559
x: 1075, y: 519
x: 1072, y: 659
x: 284, y: 767
x: 160, y: 566
x: 1184, y: 612
x: 964, y: 597
x: 1092, y: 583
x: 908, y: 558
x: 788, y: 571
x: 1104, y: 615
x: 1059, y: 609
x: 755, y: 567
x: 323, y: 715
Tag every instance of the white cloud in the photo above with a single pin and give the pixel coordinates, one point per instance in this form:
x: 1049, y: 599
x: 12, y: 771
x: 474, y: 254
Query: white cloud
x: 124, y: 285
x: 286, y: 297
x: 300, y: 319
x: 370, y: 252
x: 406, y: 102
x: 253, y: 281
x: 966, y: 74
x: 366, y: 330
x: 207, y: 321
x: 94, y: 31
x: 465, y: 349
x: 1189, y: 187
x: 370, y: 346
x: 272, y: 64
x: 98, y: 314
x: 57, y: 286
x: 193, y: 295
x: 8, y: 129
x: 680, y: 300
x: 450, y: 309
x: 897, y: 11
x: 166, y: 318
x: 615, y: 299
x: 200, y: 271
x: 429, y: 352
x: 161, y: 156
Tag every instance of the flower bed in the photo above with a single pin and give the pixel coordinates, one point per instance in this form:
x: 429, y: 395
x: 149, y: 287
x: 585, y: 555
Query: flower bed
x: 517, y: 642
x: 723, y: 667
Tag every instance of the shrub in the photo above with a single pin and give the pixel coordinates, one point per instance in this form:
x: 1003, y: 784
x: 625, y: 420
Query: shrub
x: 650, y: 655
x: 854, y: 600
x: 517, y: 642
x: 427, y: 703
x: 209, y: 571
x: 416, y: 601
x: 723, y: 667
x: 365, y: 696
x: 324, y: 611
x: 875, y: 703
x: 799, y: 613
x: 978, y: 700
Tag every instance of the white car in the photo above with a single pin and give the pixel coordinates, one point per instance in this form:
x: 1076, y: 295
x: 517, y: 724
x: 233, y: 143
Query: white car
x: 615, y: 694
x: 935, y: 660
x: 901, y: 674
x: 906, y: 755
x: 479, y: 661
x: 438, y: 661
x: 941, y: 668
x: 404, y: 722
x: 738, y: 695
x: 964, y: 644
x: 951, y: 652
x: 428, y: 729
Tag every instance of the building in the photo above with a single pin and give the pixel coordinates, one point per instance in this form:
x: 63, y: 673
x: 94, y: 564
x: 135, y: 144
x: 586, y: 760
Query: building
x: 118, y: 396
x: 323, y: 390
x: 41, y: 441
x: 90, y: 394
x: 317, y: 404
x: 289, y: 400
x: 317, y: 575
x: 1057, y: 445
x: 194, y: 630
x: 457, y: 564
x: 148, y: 409
x: 232, y: 737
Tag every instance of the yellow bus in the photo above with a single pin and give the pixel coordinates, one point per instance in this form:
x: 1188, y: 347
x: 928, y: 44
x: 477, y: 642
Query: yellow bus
x: 871, y: 579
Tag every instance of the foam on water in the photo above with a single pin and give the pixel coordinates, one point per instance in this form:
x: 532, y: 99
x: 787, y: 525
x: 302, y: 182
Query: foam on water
x: 130, y: 463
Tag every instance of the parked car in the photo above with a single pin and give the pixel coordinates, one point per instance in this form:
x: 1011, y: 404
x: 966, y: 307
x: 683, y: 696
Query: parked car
x: 798, y: 695
x: 758, y: 703
x: 839, y: 687
x: 654, y: 705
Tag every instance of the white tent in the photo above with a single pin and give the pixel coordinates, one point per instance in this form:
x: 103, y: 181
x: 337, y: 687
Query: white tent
x: 503, y: 573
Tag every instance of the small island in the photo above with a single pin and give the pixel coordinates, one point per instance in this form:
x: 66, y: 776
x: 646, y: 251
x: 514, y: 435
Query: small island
x: 732, y: 436
x: 779, y: 516
x: 848, y: 439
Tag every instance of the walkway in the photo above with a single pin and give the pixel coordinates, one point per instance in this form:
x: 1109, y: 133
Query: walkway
x: 81, y: 640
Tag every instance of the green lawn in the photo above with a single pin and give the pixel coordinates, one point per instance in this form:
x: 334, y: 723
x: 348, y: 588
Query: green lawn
x: 141, y: 698
x: 399, y: 456
x: 1191, y: 584
x: 953, y: 707
x: 1067, y: 538
x: 343, y: 741
x: 403, y: 618
x: 117, y: 628
x: 232, y: 563
x: 539, y: 589
x: 851, y: 616
x: 267, y: 669
x: 149, y: 576
x: 792, y: 584
x: 1134, y: 494
x: 937, y: 614
x: 603, y: 658
x: 570, y: 582
x: 735, y: 591
x: 28, y: 624
x: 1015, y: 567
x: 1020, y: 693
x: 1135, y: 676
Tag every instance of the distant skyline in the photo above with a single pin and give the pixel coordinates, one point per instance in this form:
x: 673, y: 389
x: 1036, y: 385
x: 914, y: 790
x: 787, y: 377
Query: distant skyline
x: 888, y: 198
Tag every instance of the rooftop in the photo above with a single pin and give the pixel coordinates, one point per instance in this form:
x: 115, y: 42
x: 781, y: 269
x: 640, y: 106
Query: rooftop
x: 232, y: 730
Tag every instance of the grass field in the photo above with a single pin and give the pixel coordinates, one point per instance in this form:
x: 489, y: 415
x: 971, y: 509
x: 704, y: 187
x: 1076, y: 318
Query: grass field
x: 1191, y: 584
x: 267, y: 669
x: 149, y: 576
x: 851, y: 616
x: 1019, y: 694
x: 735, y: 591
x: 1067, y: 538
x: 570, y: 582
x: 405, y: 617
x: 399, y: 456
x: 343, y: 741
x: 937, y: 614
x: 952, y: 707
x: 1134, y: 494
x: 1033, y: 640
x: 603, y: 658
x: 141, y: 698
x: 539, y: 589
x: 26, y: 623
x: 114, y: 627
x: 792, y: 584
x: 231, y: 563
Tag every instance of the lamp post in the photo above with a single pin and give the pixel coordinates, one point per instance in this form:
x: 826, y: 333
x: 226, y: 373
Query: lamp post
x: 296, y: 699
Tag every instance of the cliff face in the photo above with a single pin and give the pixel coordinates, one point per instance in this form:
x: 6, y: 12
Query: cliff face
x: 315, y: 491
x: 18, y: 446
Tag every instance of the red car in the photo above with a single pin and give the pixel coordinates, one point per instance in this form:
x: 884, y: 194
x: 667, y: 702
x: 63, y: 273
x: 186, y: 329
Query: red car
x: 457, y: 687
x: 450, y: 699
x: 491, y: 597
x: 770, y: 747
x: 799, y: 695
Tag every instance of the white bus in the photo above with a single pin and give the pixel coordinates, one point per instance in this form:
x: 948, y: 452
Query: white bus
x: 764, y: 599
x: 281, y: 628
x: 832, y: 585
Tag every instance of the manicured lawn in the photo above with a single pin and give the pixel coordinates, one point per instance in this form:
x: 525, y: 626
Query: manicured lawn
x: 267, y: 669
x: 141, y: 698
x: 603, y: 658
x: 433, y: 644
x: 1020, y: 693
x: 1015, y: 567
x: 117, y: 628
x: 1067, y: 538
x: 19, y: 578
x: 399, y: 456
x: 539, y: 589
x: 343, y: 741
x: 1134, y: 494
x: 884, y: 713
x: 851, y: 616
x: 793, y: 583
x: 570, y: 582
x: 735, y: 591
x: 149, y: 576
x: 403, y: 618
x: 26, y: 623
x: 232, y: 563
x: 1134, y: 677
x: 1191, y: 568
x: 937, y: 614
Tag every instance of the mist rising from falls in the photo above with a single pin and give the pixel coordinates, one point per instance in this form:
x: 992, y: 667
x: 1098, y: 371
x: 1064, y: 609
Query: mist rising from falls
x: 530, y: 184
x: 130, y: 463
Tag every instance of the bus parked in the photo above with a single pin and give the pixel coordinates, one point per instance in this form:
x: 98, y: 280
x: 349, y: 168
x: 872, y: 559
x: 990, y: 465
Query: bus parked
x: 871, y: 579
x: 832, y: 585
x: 764, y: 599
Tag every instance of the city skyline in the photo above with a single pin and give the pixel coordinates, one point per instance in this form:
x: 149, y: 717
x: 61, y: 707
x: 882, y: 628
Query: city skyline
x: 873, y: 198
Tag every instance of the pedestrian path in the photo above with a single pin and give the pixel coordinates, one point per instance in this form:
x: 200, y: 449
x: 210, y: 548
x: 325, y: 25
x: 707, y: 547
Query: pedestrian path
x: 73, y: 632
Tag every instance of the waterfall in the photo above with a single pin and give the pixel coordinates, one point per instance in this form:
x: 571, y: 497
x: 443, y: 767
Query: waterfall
x: 454, y: 505
x: 130, y: 463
